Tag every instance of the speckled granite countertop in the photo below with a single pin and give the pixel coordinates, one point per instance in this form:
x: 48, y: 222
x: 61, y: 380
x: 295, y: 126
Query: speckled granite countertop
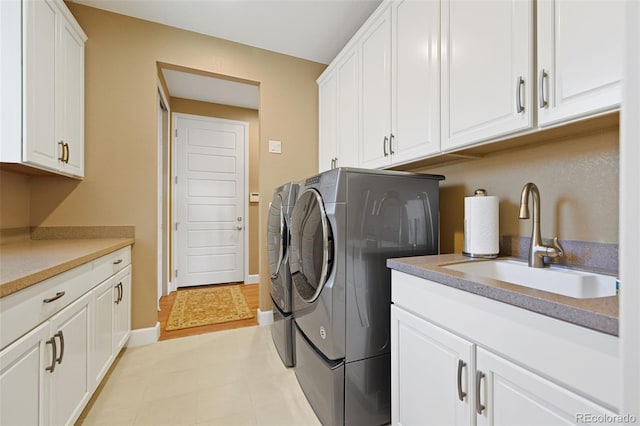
x: 28, y: 262
x: 600, y: 314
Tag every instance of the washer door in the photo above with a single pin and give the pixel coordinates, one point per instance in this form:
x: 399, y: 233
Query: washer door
x: 311, y: 250
x: 276, y: 235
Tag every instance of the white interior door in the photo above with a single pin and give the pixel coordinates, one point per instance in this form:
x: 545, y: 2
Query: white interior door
x: 210, y: 189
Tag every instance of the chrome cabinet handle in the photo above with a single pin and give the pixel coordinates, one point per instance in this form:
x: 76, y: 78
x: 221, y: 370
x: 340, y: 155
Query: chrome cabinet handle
x: 66, y: 157
x: 61, y: 337
x: 333, y: 163
x: 52, y: 342
x: 117, y: 262
x: 541, y: 90
x: 479, y: 407
x: 239, y: 228
x: 384, y: 146
x: 461, y: 394
x: 391, y: 138
x: 54, y: 298
x: 519, y: 88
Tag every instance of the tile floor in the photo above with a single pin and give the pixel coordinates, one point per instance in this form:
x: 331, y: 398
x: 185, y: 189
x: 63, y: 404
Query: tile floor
x: 232, y: 377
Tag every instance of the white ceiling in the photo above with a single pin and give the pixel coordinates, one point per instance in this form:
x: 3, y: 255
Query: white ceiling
x: 309, y: 29
x: 208, y: 89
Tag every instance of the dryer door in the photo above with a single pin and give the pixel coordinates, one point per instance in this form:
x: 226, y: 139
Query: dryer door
x: 311, y: 250
x: 276, y: 235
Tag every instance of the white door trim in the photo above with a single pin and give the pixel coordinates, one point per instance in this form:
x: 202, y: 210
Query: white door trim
x: 245, y: 204
x: 629, y: 227
x: 163, y: 199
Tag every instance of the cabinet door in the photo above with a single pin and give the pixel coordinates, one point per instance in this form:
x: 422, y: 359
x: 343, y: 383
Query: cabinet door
x: 102, y: 334
x: 580, y: 51
x: 512, y: 395
x: 416, y: 79
x: 328, y: 121
x: 122, y: 309
x: 430, y: 373
x: 347, y: 100
x: 486, y: 65
x: 39, y: 146
x: 70, y: 99
x: 23, y: 380
x: 70, y: 388
x: 375, y: 52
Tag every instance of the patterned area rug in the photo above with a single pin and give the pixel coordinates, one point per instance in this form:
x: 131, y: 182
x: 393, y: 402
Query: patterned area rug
x: 212, y: 305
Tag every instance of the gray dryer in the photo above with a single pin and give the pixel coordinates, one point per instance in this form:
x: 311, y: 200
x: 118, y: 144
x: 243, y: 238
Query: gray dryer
x: 278, y: 225
x: 345, y: 224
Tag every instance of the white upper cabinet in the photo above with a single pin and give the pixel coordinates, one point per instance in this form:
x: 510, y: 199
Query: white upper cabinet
x: 400, y: 100
x: 328, y: 121
x: 580, y: 53
x: 338, y: 106
x: 487, y: 51
x: 49, y: 44
x: 375, y: 51
x: 39, y: 72
x: 415, y: 84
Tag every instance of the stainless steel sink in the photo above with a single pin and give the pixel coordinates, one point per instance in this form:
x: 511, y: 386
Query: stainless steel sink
x: 568, y: 282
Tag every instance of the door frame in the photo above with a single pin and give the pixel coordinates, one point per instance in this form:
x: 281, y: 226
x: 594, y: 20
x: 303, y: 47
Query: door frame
x: 245, y: 205
x: 164, y: 198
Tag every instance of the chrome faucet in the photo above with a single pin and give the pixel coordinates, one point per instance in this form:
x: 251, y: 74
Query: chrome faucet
x: 537, y: 250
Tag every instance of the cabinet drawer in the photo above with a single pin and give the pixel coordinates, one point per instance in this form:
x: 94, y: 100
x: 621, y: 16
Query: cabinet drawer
x: 24, y: 310
x: 111, y: 263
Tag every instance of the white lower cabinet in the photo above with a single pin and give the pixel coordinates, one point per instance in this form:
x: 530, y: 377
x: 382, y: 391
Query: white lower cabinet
x: 44, y: 375
x: 122, y: 309
x: 461, y: 359
x: 25, y: 399
x: 48, y: 374
x: 103, y: 327
x: 69, y: 363
x: 430, y: 366
x: 512, y: 395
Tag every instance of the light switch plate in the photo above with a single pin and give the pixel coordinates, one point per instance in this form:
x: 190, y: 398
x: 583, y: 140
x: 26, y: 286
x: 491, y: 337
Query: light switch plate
x: 254, y: 197
x: 275, y: 147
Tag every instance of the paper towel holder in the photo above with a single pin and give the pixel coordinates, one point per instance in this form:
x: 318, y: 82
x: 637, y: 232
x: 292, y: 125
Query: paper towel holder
x: 480, y: 192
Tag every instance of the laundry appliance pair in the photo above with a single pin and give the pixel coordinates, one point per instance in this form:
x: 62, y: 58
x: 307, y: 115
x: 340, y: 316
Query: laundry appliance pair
x: 278, y: 226
x: 344, y: 225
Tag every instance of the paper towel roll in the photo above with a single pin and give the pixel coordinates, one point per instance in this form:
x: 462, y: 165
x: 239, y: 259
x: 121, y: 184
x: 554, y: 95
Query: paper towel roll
x: 481, y: 222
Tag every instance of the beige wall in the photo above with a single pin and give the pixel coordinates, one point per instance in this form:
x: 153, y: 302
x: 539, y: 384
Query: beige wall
x: 577, y: 178
x: 15, y: 193
x: 188, y: 106
x: 121, y: 142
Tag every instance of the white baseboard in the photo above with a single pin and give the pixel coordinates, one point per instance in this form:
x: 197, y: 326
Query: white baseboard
x: 265, y: 318
x: 144, y: 336
x: 252, y: 279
